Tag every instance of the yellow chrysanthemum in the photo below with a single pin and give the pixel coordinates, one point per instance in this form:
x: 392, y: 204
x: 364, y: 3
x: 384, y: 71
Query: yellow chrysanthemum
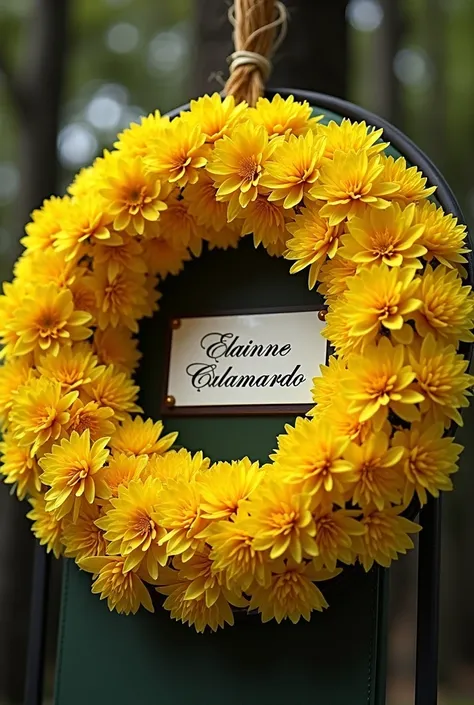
x: 348, y: 136
x: 178, y: 153
x: 226, y: 486
x: 234, y: 555
x: 411, y: 182
x: 71, y: 367
x: 83, y: 295
x: 134, y: 196
x: 123, y: 469
x: 41, y: 413
x: 283, y: 116
x: 381, y: 299
x: 177, y: 465
x: 313, y: 241
x: 334, y: 534
x: 338, y: 331
x: 179, y: 512
x: 120, y: 298
x: 135, y: 140
x: 441, y: 377
x: 386, y: 537
x: 48, y: 266
x: 428, y: 460
x: 390, y: 236
x: 310, y: 455
x: 200, y: 198
x: 130, y: 527
x: 18, y: 468
x: 179, y: 226
x: 346, y: 423
x: 215, y: 116
x: 334, y: 276
x: 237, y: 165
x: 82, y: 538
x: 117, y: 346
x: 123, y: 589
x: 349, y: 184
x: 97, y: 419
x: 265, y: 220
x: 139, y: 437
x: 443, y: 237
x: 116, y: 390
x: 47, y: 320
x: 46, y: 528
x: 327, y: 386
x: 127, y: 254
x: 14, y: 373
x: 72, y: 471
x: 163, y: 257
x: 293, y: 169
x: 229, y: 236
x: 292, y: 593
x: 281, y: 521
x: 10, y: 301
x: 447, y: 307
x: 377, y: 480
x: 86, y: 221
x: 42, y: 231
x: 378, y: 379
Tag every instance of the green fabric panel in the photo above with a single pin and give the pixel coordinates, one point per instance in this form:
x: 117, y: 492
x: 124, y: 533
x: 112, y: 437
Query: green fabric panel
x: 336, y: 659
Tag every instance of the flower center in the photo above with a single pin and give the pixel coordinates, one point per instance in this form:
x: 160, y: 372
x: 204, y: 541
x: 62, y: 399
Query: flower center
x: 249, y: 169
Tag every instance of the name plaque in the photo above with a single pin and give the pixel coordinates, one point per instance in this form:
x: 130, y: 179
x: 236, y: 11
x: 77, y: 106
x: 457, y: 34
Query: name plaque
x: 244, y: 363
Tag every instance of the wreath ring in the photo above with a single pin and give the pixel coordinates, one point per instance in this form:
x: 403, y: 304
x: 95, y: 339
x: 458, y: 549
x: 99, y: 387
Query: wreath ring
x: 107, y: 489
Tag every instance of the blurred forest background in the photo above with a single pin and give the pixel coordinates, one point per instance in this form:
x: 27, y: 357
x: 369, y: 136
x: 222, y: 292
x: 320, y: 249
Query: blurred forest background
x: 75, y: 72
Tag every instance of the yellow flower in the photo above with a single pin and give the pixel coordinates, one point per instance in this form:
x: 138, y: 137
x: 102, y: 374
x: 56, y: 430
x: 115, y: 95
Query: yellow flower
x: 226, y: 486
x: 346, y: 423
x: 13, y: 374
x: 83, y: 295
x: 123, y: 469
x: 19, y: 468
x: 47, y: 320
x: 117, y: 346
x: 46, y: 527
x: 134, y: 196
x: 447, y: 307
x: 10, y: 301
x: 327, y: 386
x: 379, y: 379
x: 313, y: 241
x: 411, y: 182
x: 179, y: 227
x: 72, y: 471
x: 179, y: 512
x: 135, y: 140
x: 130, y: 527
x: 386, y: 537
x: 224, y: 238
x: 283, y: 116
x: 334, y: 276
x: 163, y: 257
x: 215, y: 116
x: 119, y: 298
x: 116, y: 390
x: 441, y: 377
x: 310, y: 455
x: 443, y: 237
x: 71, y: 367
x: 43, y: 230
x: 93, y: 417
x: 139, y: 437
x: 48, y: 266
x: 389, y: 236
x: 294, y: 169
x: 41, y: 413
x: 291, y: 594
x: 350, y: 136
x: 281, y: 521
x: 349, y: 184
x: 265, y: 220
x: 127, y: 254
x: 428, y: 460
x: 334, y: 536
x: 381, y: 298
x: 377, y: 480
x: 123, y: 589
x: 177, y: 465
x: 178, y: 153
x: 82, y: 538
x: 200, y: 198
x: 338, y: 330
x: 84, y: 222
x: 237, y: 165
x: 234, y: 555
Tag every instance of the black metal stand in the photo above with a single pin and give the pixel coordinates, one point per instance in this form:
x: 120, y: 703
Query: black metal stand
x: 37, y: 635
x: 426, y: 685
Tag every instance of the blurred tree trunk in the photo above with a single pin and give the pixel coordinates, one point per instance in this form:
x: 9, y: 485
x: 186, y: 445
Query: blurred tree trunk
x: 314, y: 55
x: 435, y: 44
x: 35, y: 91
x: 387, y: 94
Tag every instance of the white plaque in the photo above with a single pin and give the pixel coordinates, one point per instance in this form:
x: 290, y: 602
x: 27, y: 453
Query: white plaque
x: 245, y: 360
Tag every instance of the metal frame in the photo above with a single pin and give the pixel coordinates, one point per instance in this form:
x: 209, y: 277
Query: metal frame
x: 430, y: 516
